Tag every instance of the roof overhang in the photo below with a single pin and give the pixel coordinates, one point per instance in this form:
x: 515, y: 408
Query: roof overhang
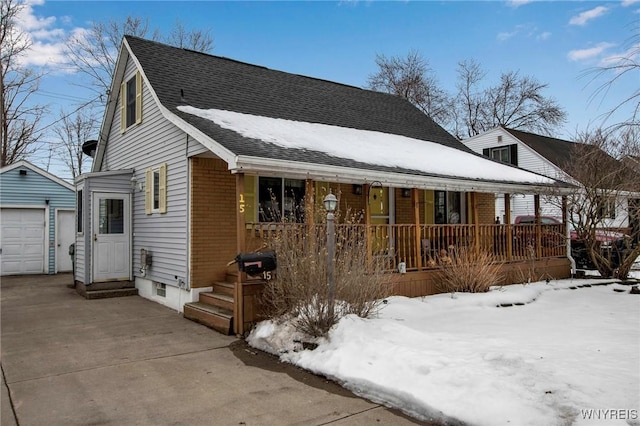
x: 325, y: 173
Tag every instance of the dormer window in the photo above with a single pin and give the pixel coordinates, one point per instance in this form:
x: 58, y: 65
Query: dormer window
x: 506, y: 154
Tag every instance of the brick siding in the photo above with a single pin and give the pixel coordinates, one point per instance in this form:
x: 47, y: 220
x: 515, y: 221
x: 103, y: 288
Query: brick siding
x: 213, y: 220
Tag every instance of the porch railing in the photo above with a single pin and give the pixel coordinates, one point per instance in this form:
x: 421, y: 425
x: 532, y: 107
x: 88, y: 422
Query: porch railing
x: 399, y: 243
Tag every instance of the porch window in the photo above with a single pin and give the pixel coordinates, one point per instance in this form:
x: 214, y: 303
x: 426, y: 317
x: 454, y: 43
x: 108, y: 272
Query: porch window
x: 448, y: 207
x: 79, y: 216
x: 280, y: 200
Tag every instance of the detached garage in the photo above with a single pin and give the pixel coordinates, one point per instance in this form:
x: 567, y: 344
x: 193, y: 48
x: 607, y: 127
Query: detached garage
x: 37, y: 221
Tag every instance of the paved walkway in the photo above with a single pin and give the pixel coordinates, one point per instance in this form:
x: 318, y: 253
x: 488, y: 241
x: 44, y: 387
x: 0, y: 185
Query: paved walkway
x: 125, y: 361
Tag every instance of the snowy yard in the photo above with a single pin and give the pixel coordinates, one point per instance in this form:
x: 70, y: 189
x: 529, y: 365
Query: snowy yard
x: 557, y: 356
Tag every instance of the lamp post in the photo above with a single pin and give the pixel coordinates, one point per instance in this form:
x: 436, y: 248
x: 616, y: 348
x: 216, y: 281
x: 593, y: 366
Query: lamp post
x: 330, y: 203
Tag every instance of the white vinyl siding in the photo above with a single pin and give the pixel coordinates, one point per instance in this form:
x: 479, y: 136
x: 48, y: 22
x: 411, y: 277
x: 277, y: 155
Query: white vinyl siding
x: 153, y: 143
x: 113, y: 182
x: 529, y: 159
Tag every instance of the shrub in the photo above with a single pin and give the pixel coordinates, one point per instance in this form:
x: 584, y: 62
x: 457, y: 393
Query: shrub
x: 299, y: 290
x: 466, y: 270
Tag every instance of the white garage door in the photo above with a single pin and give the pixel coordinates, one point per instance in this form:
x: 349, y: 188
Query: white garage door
x: 23, y: 242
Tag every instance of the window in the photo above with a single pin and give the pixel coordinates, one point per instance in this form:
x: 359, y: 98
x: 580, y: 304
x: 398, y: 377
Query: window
x: 506, y: 154
x: 501, y: 154
x: 606, y: 208
x: 155, y: 200
x: 131, y: 102
x: 156, y: 190
x: 280, y: 200
x: 79, y: 215
x: 161, y: 290
x: 111, y: 216
x: 448, y: 207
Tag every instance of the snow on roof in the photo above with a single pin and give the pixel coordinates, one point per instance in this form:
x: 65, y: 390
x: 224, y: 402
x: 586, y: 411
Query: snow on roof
x: 369, y: 147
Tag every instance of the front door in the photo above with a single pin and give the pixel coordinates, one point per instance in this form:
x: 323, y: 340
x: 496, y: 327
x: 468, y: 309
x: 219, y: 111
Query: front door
x: 111, y: 241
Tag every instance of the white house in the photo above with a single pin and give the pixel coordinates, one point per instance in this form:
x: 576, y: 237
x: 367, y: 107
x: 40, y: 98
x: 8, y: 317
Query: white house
x: 540, y: 154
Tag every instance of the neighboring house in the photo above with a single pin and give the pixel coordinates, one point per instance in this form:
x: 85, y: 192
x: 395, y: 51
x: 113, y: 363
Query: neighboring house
x: 37, y: 221
x: 540, y: 154
x: 199, y: 155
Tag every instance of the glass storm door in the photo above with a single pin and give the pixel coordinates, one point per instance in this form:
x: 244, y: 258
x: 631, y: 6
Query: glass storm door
x: 111, y: 242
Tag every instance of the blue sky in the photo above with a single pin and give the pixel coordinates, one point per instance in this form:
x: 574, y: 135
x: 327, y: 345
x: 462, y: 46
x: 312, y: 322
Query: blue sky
x: 556, y: 42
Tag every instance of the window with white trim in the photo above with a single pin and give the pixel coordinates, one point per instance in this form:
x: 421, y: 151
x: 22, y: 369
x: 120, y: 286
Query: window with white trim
x: 161, y: 290
x: 156, y: 190
x: 506, y: 154
x: 79, y: 215
x: 606, y: 208
x: 131, y: 102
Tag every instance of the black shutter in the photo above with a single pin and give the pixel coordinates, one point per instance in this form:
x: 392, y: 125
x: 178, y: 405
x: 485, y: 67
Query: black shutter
x: 485, y: 152
x: 514, y: 154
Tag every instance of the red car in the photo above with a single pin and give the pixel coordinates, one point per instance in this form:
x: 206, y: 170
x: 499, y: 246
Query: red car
x: 612, y: 243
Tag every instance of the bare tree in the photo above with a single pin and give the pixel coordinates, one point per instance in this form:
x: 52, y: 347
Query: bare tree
x: 515, y: 101
x: 605, y: 188
x: 470, y: 102
x: 19, y: 116
x: 94, y: 52
x: 411, y: 78
x: 197, y: 40
x: 616, y: 69
x: 72, y: 131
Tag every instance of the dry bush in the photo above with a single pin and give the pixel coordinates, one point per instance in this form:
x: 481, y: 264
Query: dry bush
x: 469, y: 271
x: 529, y: 273
x: 300, y: 291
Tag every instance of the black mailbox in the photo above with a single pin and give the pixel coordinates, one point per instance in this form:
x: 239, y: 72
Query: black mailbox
x: 257, y: 263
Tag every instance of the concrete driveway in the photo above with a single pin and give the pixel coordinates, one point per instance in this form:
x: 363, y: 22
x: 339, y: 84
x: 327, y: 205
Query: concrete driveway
x: 128, y: 361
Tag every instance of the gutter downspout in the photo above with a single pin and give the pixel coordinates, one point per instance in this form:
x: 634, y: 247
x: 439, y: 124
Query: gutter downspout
x: 567, y: 235
x: 571, y: 259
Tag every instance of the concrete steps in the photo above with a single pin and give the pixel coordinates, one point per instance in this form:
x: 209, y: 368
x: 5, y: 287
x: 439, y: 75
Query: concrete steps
x: 106, y: 290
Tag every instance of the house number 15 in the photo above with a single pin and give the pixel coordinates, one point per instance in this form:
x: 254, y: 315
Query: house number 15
x: 241, y: 206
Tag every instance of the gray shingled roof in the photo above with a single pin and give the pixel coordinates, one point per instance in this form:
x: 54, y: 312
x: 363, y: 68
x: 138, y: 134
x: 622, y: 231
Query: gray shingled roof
x: 558, y: 151
x: 185, y: 77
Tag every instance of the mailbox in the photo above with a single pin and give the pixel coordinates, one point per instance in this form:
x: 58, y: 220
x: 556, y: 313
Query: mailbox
x: 257, y: 263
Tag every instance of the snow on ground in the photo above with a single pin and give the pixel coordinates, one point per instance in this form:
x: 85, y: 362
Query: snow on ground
x: 548, y: 359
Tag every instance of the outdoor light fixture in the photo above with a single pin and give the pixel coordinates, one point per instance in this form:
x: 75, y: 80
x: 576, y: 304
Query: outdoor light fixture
x: 406, y: 193
x: 135, y: 184
x: 330, y: 202
x: 357, y: 189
